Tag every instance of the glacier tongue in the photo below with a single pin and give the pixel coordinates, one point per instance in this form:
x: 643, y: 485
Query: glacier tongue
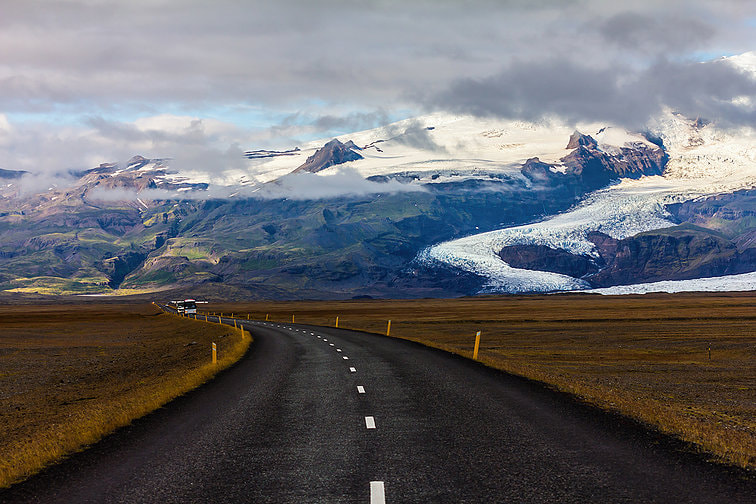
x: 728, y: 283
x: 620, y: 211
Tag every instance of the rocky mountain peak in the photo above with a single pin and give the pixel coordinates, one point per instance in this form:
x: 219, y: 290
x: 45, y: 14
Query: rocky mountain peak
x: 332, y: 153
x: 577, y: 139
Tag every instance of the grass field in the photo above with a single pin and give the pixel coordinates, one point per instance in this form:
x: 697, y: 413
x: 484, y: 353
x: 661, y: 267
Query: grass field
x: 71, y: 373
x: 646, y: 357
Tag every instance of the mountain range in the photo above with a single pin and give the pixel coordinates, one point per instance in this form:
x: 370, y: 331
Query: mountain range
x: 438, y: 205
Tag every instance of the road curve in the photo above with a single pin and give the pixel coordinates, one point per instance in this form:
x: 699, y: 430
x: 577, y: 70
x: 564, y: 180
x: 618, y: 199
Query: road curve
x: 328, y: 415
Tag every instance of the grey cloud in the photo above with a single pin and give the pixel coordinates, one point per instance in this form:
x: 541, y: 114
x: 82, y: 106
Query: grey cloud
x: 414, y: 134
x: 654, y: 33
x: 321, y: 61
x: 356, y: 121
x: 292, y: 52
x: 577, y: 92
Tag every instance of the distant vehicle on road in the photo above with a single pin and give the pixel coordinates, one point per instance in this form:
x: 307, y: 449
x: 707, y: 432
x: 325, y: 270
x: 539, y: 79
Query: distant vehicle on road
x: 187, y: 306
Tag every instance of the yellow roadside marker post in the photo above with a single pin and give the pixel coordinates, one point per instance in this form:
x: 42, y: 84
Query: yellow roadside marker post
x: 205, y: 317
x: 388, y: 328
x: 337, y: 321
x: 266, y: 316
x: 247, y: 316
x: 215, y: 354
x: 292, y: 319
x: 477, y: 345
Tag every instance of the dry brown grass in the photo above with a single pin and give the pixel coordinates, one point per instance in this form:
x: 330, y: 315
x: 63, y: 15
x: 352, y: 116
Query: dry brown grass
x: 72, y: 374
x: 643, y: 356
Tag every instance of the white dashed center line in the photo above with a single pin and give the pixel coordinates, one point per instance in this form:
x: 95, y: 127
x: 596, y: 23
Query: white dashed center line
x: 360, y: 389
x: 325, y: 339
x: 338, y: 349
x: 370, y: 422
x: 346, y: 358
x: 332, y: 344
x: 377, y: 493
x: 352, y: 370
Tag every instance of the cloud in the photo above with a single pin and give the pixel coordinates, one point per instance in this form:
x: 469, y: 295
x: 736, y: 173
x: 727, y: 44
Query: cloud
x: 578, y: 92
x: 654, y: 34
x: 414, y: 134
x: 34, y: 183
x: 99, y: 56
x: 315, y: 68
x: 341, y: 182
x: 193, y: 144
x: 112, y: 194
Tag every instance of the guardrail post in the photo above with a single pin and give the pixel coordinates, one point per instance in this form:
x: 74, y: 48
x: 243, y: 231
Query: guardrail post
x: 477, y: 345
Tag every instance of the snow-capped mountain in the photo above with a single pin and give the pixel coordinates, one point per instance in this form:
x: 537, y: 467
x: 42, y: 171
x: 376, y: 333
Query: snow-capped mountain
x: 439, y: 205
x: 452, y: 146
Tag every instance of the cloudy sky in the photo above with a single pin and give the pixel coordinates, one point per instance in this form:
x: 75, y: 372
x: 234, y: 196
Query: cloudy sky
x: 89, y: 81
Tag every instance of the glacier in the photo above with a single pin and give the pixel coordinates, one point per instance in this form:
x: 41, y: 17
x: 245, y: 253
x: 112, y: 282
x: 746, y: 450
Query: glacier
x: 703, y: 160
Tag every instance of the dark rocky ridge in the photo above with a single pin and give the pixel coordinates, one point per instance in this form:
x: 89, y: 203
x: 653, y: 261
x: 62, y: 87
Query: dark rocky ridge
x: 677, y: 253
x: 588, y: 168
x: 543, y: 258
x: 11, y: 174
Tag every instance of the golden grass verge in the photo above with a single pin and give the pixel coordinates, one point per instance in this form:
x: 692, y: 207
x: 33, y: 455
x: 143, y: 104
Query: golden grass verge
x: 89, y: 421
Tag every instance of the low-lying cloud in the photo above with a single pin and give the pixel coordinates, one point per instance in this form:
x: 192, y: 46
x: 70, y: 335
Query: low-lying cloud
x: 340, y: 182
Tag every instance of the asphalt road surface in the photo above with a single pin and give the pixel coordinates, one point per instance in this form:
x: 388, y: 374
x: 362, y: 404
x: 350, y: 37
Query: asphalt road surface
x: 316, y: 415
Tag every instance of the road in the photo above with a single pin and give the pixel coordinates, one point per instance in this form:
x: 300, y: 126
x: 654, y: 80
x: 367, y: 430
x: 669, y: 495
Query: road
x: 328, y: 415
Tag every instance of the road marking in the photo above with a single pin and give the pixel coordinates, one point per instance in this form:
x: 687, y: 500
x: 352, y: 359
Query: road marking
x: 332, y: 344
x: 377, y: 493
x: 318, y: 337
x: 360, y: 389
x: 370, y: 422
x: 312, y: 334
x: 346, y: 358
x: 338, y: 349
x: 352, y: 370
x: 325, y: 339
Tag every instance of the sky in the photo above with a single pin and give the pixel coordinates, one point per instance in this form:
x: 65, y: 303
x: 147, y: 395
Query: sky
x: 89, y: 81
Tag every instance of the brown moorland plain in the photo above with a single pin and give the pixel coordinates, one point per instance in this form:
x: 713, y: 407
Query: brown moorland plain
x: 71, y: 373
x: 646, y: 357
